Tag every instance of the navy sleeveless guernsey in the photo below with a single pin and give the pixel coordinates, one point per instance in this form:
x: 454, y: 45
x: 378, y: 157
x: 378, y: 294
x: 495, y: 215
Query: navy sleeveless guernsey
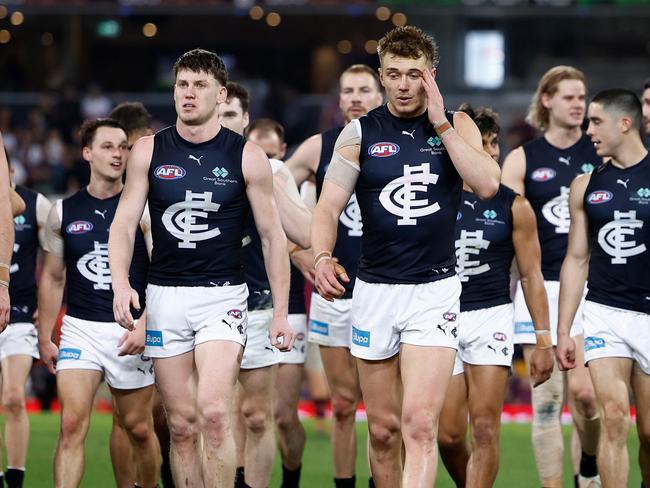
x: 408, y: 192
x: 484, y: 249
x: 297, y: 292
x: 617, y: 203
x: 198, y: 205
x: 549, y: 173
x: 348, y: 238
x: 22, y: 287
x: 259, y: 288
x: 84, y: 227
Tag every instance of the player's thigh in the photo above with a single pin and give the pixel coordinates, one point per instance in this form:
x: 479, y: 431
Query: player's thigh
x: 381, y: 387
x: 176, y: 383
x: 15, y: 370
x: 641, y: 389
x: 579, y: 379
x: 76, y: 390
x: 257, y: 388
x: 426, y: 372
x: 453, y: 417
x: 341, y: 370
x: 133, y: 406
x: 217, y: 366
x: 611, y: 380
x: 288, y: 384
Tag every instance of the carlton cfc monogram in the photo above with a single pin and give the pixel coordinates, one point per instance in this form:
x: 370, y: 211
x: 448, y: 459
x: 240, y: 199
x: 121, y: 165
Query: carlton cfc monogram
x: 180, y: 219
x: 398, y: 196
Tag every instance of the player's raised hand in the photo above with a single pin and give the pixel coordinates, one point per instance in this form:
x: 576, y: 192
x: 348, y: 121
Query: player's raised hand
x: 435, y: 102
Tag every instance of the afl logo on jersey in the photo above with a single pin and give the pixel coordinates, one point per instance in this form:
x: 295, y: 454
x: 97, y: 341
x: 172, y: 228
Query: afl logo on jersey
x: 543, y: 174
x: 169, y: 172
x: 79, y: 227
x: 383, y: 149
x: 599, y: 196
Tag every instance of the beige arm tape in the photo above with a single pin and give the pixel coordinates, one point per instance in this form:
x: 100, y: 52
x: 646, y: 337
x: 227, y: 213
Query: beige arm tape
x: 342, y: 172
x: 53, y: 242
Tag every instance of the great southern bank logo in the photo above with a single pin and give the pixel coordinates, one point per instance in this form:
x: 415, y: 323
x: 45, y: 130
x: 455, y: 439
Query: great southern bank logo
x: 169, y: 172
x: 383, y: 149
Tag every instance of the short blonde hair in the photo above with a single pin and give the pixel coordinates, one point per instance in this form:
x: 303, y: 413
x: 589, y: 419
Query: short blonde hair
x: 538, y: 115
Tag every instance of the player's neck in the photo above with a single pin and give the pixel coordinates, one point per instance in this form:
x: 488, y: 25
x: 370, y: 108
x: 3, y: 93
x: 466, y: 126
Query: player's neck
x: 562, y: 137
x: 630, y: 154
x: 103, y: 189
x: 410, y: 115
x: 197, y: 134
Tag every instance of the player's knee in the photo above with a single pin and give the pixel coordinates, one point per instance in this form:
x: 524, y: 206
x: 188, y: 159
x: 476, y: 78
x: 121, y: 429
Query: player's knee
x: 182, y: 429
x: 213, y: 419
x: 344, y: 407
x: 72, y: 427
x: 286, y: 418
x: 420, y: 426
x: 384, y: 434
x: 257, y: 420
x: 584, y: 399
x: 615, y: 421
x: 450, y: 439
x: 13, y: 402
x: 485, y: 431
x: 139, y: 431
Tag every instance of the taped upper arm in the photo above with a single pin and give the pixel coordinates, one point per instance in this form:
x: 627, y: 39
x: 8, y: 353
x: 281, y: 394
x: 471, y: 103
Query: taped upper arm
x: 43, y: 207
x: 53, y: 239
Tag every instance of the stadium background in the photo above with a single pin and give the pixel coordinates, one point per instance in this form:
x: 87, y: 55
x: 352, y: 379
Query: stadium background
x: 65, y: 60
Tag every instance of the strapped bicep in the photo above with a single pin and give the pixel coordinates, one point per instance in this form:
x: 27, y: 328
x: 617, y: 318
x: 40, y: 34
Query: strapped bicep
x: 344, y: 167
x: 52, y: 238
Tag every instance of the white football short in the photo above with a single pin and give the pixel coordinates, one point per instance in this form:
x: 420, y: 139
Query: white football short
x: 330, y: 323
x: 298, y: 353
x: 258, y: 352
x: 19, y: 339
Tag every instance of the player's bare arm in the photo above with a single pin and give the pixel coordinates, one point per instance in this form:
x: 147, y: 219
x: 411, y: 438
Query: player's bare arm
x: 463, y: 143
x: 17, y: 203
x: 6, y: 238
x: 339, y: 184
x: 122, y: 235
x: 513, y: 172
x: 304, y: 161
x: 575, y: 269
x: 529, y: 257
x: 259, y: 190
x: 294, y: 214
x: 50, y: 290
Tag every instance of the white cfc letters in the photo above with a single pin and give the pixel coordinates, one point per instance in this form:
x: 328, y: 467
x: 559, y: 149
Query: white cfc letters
x: 94, y: 267
x: 399, y: 196
x: 556, y: 211
x: 180, y: 219
x: 468, y: 247
x: 612, y: 237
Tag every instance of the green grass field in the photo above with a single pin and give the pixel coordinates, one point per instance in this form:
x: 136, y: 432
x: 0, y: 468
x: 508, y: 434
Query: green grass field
x: 517, y: 467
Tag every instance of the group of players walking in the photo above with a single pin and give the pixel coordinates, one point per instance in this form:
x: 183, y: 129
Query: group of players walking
x: 410, y: 247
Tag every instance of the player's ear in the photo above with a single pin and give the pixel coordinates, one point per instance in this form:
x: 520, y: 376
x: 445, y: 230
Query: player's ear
x: 86, y: 153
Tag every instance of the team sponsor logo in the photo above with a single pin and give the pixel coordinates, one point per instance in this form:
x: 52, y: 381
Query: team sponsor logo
x: 543, y: 174
x: 317, y: 327
x: 613, y: 237
x: 154, y: 338
x: 599, y: 196
x: 592, y: 342
x: 235, y: 313
x: 490, y: 214
x: 94, y: 266
x: 79, y: 227
x: 434, y: 141
x: 180, y: 219
x: 351, y: 217
x: 69, y: 353
x: 220, y: 172
x: 643, y: 192
x: 360, y: 337
x: 524, y: 328
x: 500, y: 336
x: 449, y: 316
x: 383, y: 149
x: 20, y: 220
x: 169, y: 172
x: 556, y: 211
x: 587, y: 168
x: 468, y: 247
x: 399, y: 195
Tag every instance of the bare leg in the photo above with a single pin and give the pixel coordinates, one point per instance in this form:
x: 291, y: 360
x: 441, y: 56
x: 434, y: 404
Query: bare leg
x: 291, y: 433
x: 452, y: 433
x: 124, y: 466
x: 15, y: 370
x: 641, y: 388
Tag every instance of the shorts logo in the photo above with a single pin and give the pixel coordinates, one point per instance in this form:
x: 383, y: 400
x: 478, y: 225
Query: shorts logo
x: 444, y: 328
x: 317, y: 327
x: 383, y: 149
x: 500, y: 336
x: 69, y: 353
x: 79, y: 227
x: 300, y: 337
x: 360, y: 337
x: 524, y: 328
x: 449, y: 316
x: 169, y: 172
x: 154, y: 338
x: 543, y: 174
x: 592, y: 342
x: 599, y: 196
x: 235, y: 313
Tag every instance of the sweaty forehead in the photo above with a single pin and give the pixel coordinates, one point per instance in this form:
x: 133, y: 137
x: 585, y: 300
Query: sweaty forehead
x: 392, y: 62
